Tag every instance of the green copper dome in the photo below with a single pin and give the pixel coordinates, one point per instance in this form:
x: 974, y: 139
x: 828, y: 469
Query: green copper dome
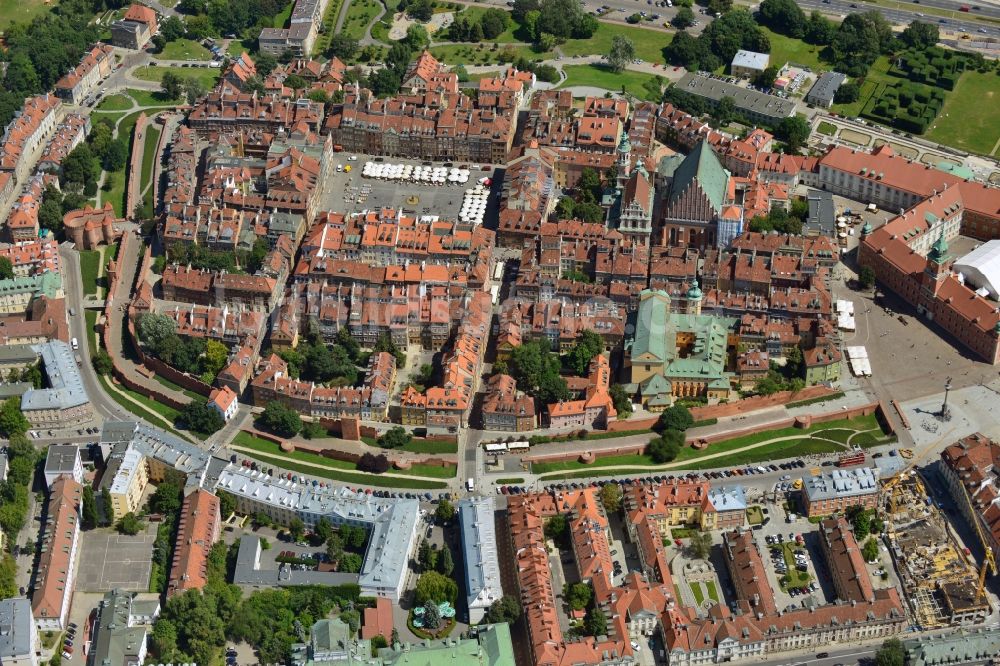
x: 694, y: 293
x: 624, y: 146
x: 939, y: 251
x: 867, y: 229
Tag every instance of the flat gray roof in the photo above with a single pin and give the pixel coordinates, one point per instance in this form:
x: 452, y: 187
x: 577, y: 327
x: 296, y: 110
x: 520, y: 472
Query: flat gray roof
x: 15, y: 629
x: 746, y: 99
x: 61, y: 459
x: 479, y: 551
x: 65, y: 384
x: 18, y: 353
x: 842, y: 483
x: 248, y: 571
x: 826, y: 87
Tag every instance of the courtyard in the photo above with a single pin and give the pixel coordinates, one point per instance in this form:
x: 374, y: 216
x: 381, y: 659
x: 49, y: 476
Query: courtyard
x: 109, y: 560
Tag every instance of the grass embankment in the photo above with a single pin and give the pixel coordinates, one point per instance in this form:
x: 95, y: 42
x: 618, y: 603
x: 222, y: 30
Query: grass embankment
x: 359, y: 15
x: 600, y: 76
x: 799, y: 442
x: 339, y: 470
x: 208, y: 76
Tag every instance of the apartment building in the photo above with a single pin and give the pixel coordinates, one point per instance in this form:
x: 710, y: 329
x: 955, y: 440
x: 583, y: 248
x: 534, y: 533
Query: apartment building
x: 19, y: 644
x: 836, y: 491
x: 970, y: 467
x: 300, y: 35
x: 56, y: 573
x: 26, y: 133
x: 198, y: 529
x: 63, y: 460
x: 479, y: 555
x: 125, y: 480
x: 95, y: 66
x: 68, y: 135
x: 505, y: 409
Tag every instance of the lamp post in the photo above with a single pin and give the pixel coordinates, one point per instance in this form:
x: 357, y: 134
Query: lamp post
x: 945, y: 415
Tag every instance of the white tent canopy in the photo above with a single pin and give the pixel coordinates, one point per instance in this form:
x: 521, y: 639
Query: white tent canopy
x: 981, y: 267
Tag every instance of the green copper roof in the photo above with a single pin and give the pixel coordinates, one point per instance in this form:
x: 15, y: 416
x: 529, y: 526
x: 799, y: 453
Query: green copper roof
x: 694, y: 293
x: 867, y: 229
x: 492, y: 647
x: 624, y: 146
x: 939, y: 251
x: 703, y: 167
x: 651, y: 323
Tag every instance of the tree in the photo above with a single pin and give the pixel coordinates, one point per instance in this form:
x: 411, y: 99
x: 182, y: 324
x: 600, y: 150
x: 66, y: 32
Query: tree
x: 78, y: 168
x: 89, y: 509
x: 12, y: 421
x: 578, y: 595
x: 199, y: 417
x: 445, y: 562
x: 920, y: 35
x: 701, y: 545
x: 766, y: 78
x: 684, y: 18
x: 215, y: 358
x: 621, y: 400
x: 102, y: 362
x: 432, y: 587
x: 555, y: 527
x: 536, y: 369
x: 200, y: 27
x: 421, y: 10
x: 350, y: 563
x: 445, y: 511
x: 861, y: 522
x: 719, y: 6
x: 783, y: 16
x: 819, y: 29
x: 295, y: 82
x: 866, y: 277
x: 296, y: 528
x: 505, y: 609
x: 583, y: 351
x: 8, y: 576
x: 427, y: 557
x: 794, y: 131
x: 860, y: 39
x: 265, y: 62
x: 227, y: 503
x: 870, y: 550
x: 611, y: 497
x: 891, y: 653
x: 128, y: 524
x: 342, y: 46
x: 665, y: 448
x: 847, y: 93
x: 172, y: 28
x: 494, y: 21
x: 432, y: 617
x: 155, y: 328
x: 521, y: 8
x: 281, y: 420
x: 621, y: 54
x: 6, y: 269
x: 171, y: 85
x: 596, y: 623
x: 376, y: 464
x: 193, y: 89
x: 166, y: 500
x: 677, y: 417
x: 395, y: 438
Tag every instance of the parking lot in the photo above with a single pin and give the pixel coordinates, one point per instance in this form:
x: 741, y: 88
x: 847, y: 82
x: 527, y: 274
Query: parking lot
x: 350, y: 192
x: 110, y: 560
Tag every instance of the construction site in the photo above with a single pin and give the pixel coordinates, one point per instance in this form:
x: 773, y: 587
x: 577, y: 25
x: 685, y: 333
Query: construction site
x: 940, y: 581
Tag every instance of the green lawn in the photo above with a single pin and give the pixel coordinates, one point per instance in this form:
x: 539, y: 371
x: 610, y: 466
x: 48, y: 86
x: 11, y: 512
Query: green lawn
x: 349, y: 477
x: 133, y: 408
x: 970, y: 117
x: 826, y: 128
x: 207, y: 75
x: 794, y: 577
x: 483, y: 54
x: 281, y: 19
x: 513, y: 33
x: 698, y: 591
x: 237, y: 47
x: 184, y: 49
x: 513, y: 479
x: 359, y: 15
x: 602, y: 77
x: 648, y: 43
x: 266, y: 447
x: 433, y: 471
x: 90, y: 262
x: 115, y: 103
x: 148, y: 155
x: 754, y: 515
x: 21, y: 11
x: 788, y: 49
x: 803, y: 444
x: 329, y: 23
x: 150, y: 98
x: 713, y: 593
x: 91, y: 317
x: 420, y: 446
x: 175, y: 387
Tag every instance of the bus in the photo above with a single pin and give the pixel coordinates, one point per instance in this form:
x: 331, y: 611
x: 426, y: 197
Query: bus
x: 499, y: 447
x: 518, y: 446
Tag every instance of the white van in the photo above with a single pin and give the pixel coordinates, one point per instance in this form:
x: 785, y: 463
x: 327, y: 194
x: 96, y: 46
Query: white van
x: 76, y: 345
x: 470, y: 485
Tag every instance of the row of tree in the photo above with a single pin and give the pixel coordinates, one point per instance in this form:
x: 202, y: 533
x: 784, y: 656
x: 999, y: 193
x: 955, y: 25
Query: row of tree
x: 196, y: 356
